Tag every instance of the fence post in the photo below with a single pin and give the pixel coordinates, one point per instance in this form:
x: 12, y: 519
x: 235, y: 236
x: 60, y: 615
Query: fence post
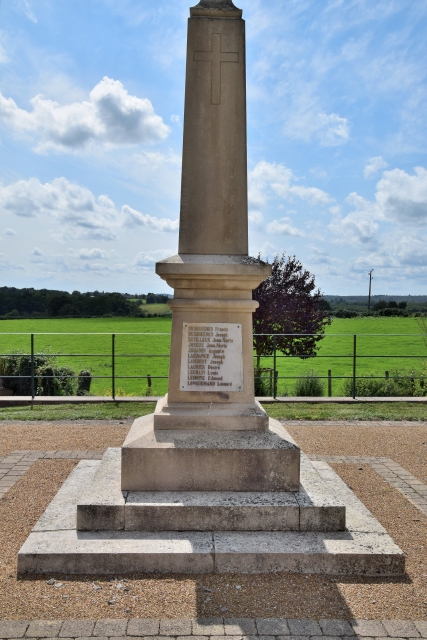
x: 354, y: 366
x: 387, y: 375
x: 274, y: 367
x: 329, y: 383
x: 113, y: 366
x: 32, y: 367
x: 149, y: 380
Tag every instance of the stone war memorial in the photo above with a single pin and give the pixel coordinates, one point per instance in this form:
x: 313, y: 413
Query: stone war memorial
x: 209, y: 483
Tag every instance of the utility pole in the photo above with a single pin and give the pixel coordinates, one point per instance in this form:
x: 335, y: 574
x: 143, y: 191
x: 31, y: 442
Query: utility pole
x: 370, y: 288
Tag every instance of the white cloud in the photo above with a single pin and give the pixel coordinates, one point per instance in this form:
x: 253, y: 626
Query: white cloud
x: 283, y: 227
x: 3, y: 55
x: 402, y: 198
x: 374, y: 165
x: 37, y: 252
x: 9, y: 232
x: 111, y: 117
x: 145, y: 258
x: 256, y: 218
x: 268, y: 180
x: 24, y: 6
x: 176, y: 119
x: 134, y: 218
x: 93, y: 254
x: 6, y: 264
x: 359, y: 225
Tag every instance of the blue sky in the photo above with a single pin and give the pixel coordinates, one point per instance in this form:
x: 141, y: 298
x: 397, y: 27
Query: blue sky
x: 91, y: 112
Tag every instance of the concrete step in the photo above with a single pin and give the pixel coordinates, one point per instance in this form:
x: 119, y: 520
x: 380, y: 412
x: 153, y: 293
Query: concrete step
x: 54, y: 546
x: 105, y: 507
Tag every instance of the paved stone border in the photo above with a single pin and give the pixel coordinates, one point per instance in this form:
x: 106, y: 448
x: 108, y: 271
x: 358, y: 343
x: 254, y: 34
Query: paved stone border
x: 408, y: 485
x: 214, y: 628
x: 13, y: 466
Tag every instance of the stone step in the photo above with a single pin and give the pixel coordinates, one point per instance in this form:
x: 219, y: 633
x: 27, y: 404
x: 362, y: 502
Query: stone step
x: 105, y: 507
x: 54, y: 546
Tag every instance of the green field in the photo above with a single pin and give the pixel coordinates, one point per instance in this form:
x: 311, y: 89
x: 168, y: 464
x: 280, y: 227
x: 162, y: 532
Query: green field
x: 142, y: 355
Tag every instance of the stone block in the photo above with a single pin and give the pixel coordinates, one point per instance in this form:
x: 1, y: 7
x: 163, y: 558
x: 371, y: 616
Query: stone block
x: 208, y: 461
x: 320, y: 510
x: 368, y: 628
x: 240, y: 626
x: 178, y: 627
x: 219, y: 417
x: 400, y: 628
x: 44, y: 628
x: 115, y: 552
x: 61, y: 512
x: 13, y: 628
x: 143, y: 627
x: 272, y: 626
x: 108, y: 627
x: 208, y: 627
x: 304, y: 628
x: 211, y: 511
x: 336, y: 627
x: 421, y: 626
x: 77, y: 628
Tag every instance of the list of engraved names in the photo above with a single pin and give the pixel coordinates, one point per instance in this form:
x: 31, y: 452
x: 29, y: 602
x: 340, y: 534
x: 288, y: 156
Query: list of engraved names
x: 211, y: 357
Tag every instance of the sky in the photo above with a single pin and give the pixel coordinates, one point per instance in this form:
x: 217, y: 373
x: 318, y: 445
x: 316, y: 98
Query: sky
x: 91, y: 121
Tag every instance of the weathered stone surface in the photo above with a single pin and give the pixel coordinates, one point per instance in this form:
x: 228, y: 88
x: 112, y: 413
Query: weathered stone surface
x: 13, y: 628
x: 61, y: 513
x: 106, y: 627
x: 77, y: 628
x: 211, y: 511
x: 113, y: 552
x: 320, y: 509
x: 344, y: 553
x: 178, y: 627
x: 143, y: 627
x: 43, y: 628
x: 221, y: 416
x: 421, y: 626
x: 336, y: 628
x: 237, y: 626
x: 208, y: 461
x: 368, y: 628
x: 103, y: 502
x: 400, y: 628
x: 272, y: 626
x: 304, y: 628
x: 208, y: 627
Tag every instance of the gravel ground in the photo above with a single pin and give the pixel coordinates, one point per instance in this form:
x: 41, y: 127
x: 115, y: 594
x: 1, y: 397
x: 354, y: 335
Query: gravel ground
x: 84, y: 435
x: 281, y: 595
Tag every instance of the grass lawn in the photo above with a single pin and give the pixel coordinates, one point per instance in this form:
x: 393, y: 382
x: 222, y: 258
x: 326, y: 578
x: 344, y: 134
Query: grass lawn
x: 142, y: 355
x: 281, y: 411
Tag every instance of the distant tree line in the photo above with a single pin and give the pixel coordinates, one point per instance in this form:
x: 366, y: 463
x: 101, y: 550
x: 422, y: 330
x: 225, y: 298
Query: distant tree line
x: 47, y: 303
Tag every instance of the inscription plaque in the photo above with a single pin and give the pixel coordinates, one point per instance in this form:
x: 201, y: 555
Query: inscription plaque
x: 211, y: 357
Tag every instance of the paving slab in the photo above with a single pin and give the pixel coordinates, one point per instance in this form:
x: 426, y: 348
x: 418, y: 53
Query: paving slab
x: 77, y: 628
x: 208, y: 627
x: 143, y: 627
x: 400, y: 629
x: 43, y: 628
x: 336, y: 627
x: 272, y: 626
x: 239, y: 626
x: 13, y: 628
x: 178, y: 627
x: 368, y: 628
x: 108, y: 627
x: 304, y: 628
x: 421, y: 626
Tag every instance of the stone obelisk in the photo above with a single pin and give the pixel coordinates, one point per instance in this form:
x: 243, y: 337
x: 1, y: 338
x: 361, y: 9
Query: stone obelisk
x: 209, y: 433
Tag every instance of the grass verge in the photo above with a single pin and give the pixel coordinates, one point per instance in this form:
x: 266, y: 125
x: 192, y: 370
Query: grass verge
x: 117, y: 411
x: 374, y: 411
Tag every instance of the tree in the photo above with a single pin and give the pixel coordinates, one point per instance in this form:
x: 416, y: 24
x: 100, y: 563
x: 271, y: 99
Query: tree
x: 290, y: 304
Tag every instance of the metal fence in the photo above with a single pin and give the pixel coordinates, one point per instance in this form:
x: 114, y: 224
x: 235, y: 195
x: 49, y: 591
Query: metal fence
x: 113, y: 356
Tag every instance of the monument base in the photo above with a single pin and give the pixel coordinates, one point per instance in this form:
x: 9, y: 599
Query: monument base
x: 191, y: 460
x: 216, y: 416
x: 55, y: 546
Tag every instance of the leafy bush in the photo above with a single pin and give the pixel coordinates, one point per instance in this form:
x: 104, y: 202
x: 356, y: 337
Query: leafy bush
x: 83, y: 383
x: 49, y: 378
x: 400, y: 383
x: 346, y: 313
x: 264, y: 382
x: 310, y: 385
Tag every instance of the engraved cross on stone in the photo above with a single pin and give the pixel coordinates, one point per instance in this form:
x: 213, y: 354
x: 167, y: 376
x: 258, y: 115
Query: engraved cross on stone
x: 216, y: 57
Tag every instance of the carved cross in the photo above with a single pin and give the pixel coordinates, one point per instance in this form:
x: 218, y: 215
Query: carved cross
x: 216, y: 57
